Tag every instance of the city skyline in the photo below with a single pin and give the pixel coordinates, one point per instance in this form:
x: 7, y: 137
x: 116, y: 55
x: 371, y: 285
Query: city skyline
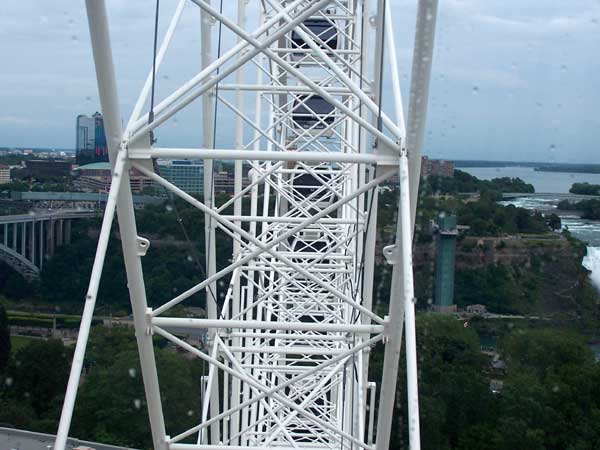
x: 511, y: 80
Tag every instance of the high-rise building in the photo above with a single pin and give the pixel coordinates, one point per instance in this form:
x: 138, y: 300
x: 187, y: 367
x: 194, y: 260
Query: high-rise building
x: 90, y: 139
x: 185, y: 174
x: 4, y: 174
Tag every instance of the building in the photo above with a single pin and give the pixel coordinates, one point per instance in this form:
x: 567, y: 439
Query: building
x: 444, y: 265
x: 90, y: 139
x: 43, y: 169
x: 186, y: 174
x: 96, y: 177
x: 437, y: 167
x: 477, y: 310
x: 4, y: 174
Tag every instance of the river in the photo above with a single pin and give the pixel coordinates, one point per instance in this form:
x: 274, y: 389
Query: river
x: 557, y: 182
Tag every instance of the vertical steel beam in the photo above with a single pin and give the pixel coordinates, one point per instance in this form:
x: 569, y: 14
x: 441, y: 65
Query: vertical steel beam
x: 24, y: 239
x: 419, y: 95
x: 208, y: 117
x: 107, y: 86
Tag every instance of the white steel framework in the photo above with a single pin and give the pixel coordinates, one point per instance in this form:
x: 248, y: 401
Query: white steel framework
x: 289, y: 341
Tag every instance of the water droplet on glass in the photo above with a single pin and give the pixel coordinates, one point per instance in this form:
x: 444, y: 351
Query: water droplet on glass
x: 373, y: 20
x: 74, y: 38
x: 189, y: 258
x: 190, y: 413
x: 475, y: 90
x: 137, y: 403
x: 88, y: 98
x: 563, y: 67
x: 132, y: 372
x: 8, y: 381
x: 169, y: 208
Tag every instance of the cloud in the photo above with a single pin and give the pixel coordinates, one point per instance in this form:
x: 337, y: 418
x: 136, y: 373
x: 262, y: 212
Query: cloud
x: 507, y: 47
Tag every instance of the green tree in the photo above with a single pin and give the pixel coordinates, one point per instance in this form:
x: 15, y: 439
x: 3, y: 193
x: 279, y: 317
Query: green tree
x: 4, y: 339
x: 35, y: 382
x: 554, y: 222
x: 111, y: 406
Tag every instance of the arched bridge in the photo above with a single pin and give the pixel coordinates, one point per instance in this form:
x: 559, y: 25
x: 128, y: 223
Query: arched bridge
x: 26, y: 240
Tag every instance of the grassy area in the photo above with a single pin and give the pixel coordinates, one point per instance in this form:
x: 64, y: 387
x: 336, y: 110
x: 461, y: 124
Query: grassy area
x: 18, y: 342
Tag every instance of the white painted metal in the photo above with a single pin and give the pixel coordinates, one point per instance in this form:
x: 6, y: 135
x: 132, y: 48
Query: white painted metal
x: 290, y: 317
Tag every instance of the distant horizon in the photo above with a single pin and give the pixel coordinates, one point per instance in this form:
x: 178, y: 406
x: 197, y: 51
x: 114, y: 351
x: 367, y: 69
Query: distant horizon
x: 459, y: 160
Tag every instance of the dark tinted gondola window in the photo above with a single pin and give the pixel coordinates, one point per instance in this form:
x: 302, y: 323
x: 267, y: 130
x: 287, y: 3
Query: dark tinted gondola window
x: 323, y: 29
x: 307, y: 112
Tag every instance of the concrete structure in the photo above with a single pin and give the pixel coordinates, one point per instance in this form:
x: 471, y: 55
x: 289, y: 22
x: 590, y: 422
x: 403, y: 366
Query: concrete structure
x: 90, y: 139
x: 27, y: 240
x: 185, y: 174
x: 96, y: 177
x: 13, y: 439
x: 445, y: 264
x: 4, y: 174
x: 76, y: 200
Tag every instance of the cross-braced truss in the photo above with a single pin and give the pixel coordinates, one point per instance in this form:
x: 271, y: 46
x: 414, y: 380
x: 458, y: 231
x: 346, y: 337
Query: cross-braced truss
x: 290, y: 319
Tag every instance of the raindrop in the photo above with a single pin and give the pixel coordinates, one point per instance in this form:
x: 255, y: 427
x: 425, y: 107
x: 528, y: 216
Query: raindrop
x: 475, y: 90
x: 555, y: 388
x: 563, y: 67
x: 137, y: 403
x: 165, y: 77
x: 190, y: 413
x: 189, y: 258
x: 594, y: 21
x: 88, y: 98
x: 132, y: 372
x: 373, y: 20
x: 552, y: 147
x: 74, y: 38
x: 169, y: 208
x: 8, y: 382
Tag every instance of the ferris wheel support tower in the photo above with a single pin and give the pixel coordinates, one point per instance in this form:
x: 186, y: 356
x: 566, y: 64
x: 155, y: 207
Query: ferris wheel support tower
x: 290, y: 319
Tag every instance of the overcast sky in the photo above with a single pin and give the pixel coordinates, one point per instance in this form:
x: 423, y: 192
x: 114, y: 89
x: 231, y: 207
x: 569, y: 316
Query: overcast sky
x: 512, y: 79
